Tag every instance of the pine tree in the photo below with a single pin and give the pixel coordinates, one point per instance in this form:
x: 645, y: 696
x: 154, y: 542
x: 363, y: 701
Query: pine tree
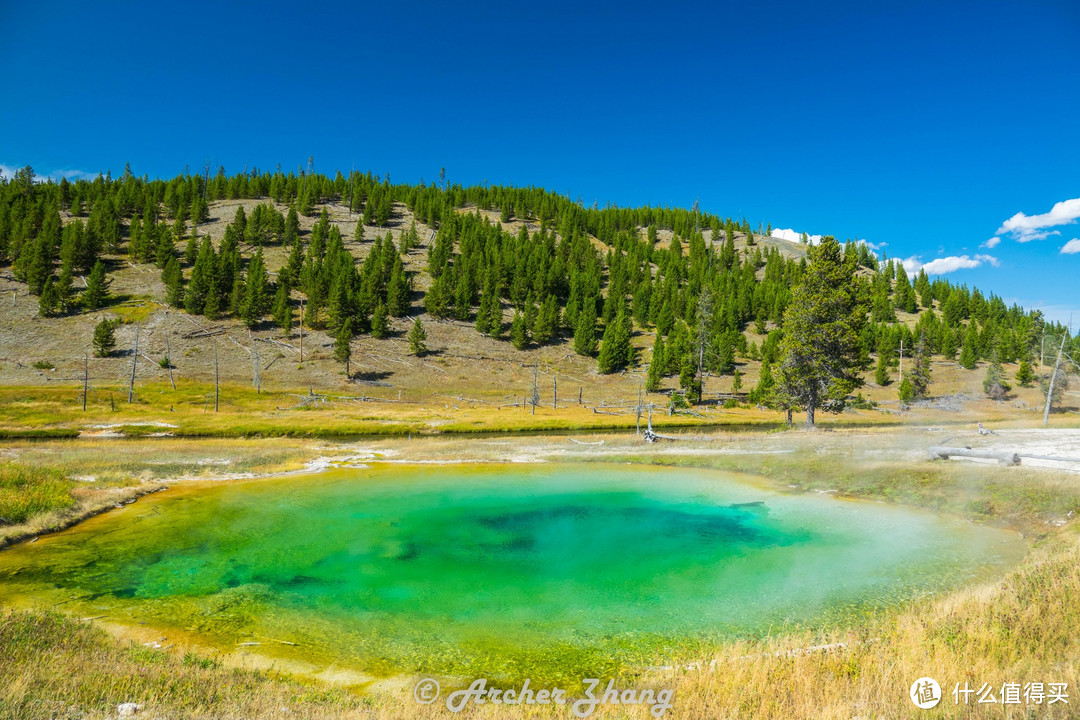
x: 820, y: 345
x: 546, y: 321
x: 104, y: 340
x: 656, y: 366
x: 519, y: 334
x: 191, y: 250
x: 906, y: 391
x: 295, y: 263
x: 616, y: 352
x: 437, y: 300
x: 173, y: 277
x: 1024, y: 375
x: 920, y: 371
x: 585, y: 331
x: 49, y: 300
x: 418, y: 339
x: 688, y: 379
x: 948, y: 343
x: 65, y: 289
x: 39, y: 264
x: 881, y: 371
x: 256, y: 292
x: 201, y: 289
x: 164, y: 249
x: 994, y: 384
x: 968, y: 353
x: 97, y: 287
x: 489, y: 315
x: 292, y: 227
x: 380, y: 324
x: 343, y: 345
x: 397, y: 292
x: 761, y: 394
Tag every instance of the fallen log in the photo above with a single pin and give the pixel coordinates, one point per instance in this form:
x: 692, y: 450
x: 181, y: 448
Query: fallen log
x: 1004, y: 457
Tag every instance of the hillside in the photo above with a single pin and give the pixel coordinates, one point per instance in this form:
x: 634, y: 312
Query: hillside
x: 467, y: 373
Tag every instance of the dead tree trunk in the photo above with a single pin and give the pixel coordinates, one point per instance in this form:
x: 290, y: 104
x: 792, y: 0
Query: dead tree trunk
x: 1050, y: 385
x: 1003, y: 457
x: 134, y: 360
x: 535, y: 390
x: 256, y: 375
x: 86, y: 379
x: 168, y: 356
x: 216, y: 392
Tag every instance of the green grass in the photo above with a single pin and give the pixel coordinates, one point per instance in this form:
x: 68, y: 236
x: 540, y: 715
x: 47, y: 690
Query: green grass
x: 57, y: 667
x: 27, y: 491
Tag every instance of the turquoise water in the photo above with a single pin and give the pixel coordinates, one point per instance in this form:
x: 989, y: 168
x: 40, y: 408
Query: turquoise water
x: 496, y: 571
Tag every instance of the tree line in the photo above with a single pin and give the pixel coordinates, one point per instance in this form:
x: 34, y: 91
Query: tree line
x: 589, y: 276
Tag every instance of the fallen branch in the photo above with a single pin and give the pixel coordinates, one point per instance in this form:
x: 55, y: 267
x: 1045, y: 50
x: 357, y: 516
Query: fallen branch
x: 279, y: 343
x: 1003, y: 457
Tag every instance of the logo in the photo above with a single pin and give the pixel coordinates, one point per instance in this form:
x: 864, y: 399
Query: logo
x: 925, y: 693
x: 426, y: 691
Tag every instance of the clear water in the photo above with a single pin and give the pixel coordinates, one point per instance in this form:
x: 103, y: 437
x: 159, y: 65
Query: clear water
x: 496, y: 571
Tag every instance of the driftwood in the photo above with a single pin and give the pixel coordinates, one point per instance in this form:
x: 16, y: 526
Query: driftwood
x: 1004, y: 457
x: 579, y: 442
x: 208, y: 332
x: 276, y: 342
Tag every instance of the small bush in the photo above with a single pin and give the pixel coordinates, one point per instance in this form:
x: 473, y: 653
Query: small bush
x: 104, y: 340
x: 860, y: 402
x: 44, y: 365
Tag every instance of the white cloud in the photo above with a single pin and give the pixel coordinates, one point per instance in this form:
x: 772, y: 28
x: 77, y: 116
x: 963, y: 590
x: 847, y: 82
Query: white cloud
x: 1025, y: 228
x: 940, y: 266
x: 9, y: 172
x: 72, y: 174
x: 1064, y: 314
x: 793, y: 236
x: 1071, y: 248
x: 991, y: 243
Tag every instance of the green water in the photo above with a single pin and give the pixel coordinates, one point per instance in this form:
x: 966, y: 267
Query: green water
x: 496, y: 571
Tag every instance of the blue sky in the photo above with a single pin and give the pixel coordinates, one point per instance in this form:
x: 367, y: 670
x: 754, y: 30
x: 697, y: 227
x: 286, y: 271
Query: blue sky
x: 921, y: 127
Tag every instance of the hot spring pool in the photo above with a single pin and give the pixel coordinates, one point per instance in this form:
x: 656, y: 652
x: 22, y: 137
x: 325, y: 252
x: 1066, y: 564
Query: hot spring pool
x: 497, y: 570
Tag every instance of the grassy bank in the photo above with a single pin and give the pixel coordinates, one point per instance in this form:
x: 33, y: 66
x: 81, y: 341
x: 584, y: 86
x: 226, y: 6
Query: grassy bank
x: 50, y: 485
x: 58, y: 667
